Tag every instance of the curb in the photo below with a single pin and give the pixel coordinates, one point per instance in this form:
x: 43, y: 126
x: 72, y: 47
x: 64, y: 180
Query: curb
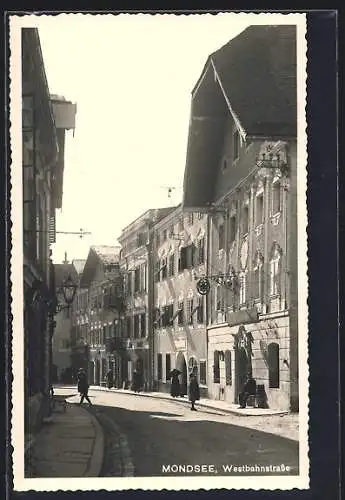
x: 228, y: 411
x: 96, y: 460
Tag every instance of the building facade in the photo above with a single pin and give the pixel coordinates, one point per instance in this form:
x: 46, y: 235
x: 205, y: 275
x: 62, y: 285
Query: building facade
x: 180, y: 324
x: 242, y: 170
x: 97, y: 311
x: 43, y: 134
x: 136, y: 263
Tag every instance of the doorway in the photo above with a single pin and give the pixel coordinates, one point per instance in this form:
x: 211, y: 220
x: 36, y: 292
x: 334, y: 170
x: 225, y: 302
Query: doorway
x: 241, y: 366
x: 97, y: 372
x: 181, y: 365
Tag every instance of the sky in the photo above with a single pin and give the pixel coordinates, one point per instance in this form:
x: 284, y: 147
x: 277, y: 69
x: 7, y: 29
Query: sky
x: 131, y: 77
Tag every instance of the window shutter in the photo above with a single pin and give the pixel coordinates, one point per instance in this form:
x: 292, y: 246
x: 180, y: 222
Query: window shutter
x: 228, y: 378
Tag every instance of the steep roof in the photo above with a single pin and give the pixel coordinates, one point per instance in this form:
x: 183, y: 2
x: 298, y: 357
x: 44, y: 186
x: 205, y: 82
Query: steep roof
x: 251, y: 79
x: 98, y: 253
x: 257, y: 73
x: 107, y: 254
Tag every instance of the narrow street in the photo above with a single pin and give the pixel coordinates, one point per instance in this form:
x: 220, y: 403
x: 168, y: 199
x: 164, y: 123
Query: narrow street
x: 162, y: 433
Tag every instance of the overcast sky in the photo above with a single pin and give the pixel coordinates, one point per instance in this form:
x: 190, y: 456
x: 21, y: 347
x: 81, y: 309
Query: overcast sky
x: 131, y: 77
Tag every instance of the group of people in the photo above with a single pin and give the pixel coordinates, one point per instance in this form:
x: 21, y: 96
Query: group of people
x: 249, y: 387
x: 175, y: 388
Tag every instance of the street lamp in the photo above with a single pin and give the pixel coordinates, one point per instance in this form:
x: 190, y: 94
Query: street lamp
x: 67, y: 292
x: 69, y: 288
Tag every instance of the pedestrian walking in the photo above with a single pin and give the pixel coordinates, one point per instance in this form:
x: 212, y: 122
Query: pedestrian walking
x: 83, y: 386
x: 249, y: 389
x: 136, y: 383
x: 175, y: 389
x: 110, y: 379
x: 194, y: 392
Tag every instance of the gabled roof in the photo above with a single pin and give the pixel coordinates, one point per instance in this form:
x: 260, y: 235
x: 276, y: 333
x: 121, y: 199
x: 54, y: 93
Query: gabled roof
x: 257, y: 74
x: 251, y: 79
x: 98, y: 254
x: 107, y: 254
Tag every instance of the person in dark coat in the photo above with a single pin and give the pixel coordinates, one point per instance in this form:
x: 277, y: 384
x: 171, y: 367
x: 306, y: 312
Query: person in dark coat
x: 83, y: 387
x: 249, y: 389
x: 136, y: 384
x: 110, y: 379
x: 194, y: 392
x: 175, y: 389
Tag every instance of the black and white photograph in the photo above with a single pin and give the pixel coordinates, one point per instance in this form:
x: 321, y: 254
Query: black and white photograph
x: 159, y: 251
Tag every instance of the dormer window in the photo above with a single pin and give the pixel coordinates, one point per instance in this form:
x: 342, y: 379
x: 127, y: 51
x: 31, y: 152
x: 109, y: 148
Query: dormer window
x: 236, y: 144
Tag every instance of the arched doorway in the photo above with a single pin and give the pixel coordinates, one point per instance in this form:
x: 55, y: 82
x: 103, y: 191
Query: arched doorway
x: 242, y: 367
x: 181, y: 365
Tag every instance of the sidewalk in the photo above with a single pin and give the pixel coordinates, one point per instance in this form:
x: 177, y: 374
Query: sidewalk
x: 71, y: 445
x: 222, y: 406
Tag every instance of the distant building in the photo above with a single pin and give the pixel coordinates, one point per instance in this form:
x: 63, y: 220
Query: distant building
x: 95, y: 314
x: 137, y: 269
x: 64, y: 333
x: 241, y: 169
x: 180, y: 323
x: 43, y: 134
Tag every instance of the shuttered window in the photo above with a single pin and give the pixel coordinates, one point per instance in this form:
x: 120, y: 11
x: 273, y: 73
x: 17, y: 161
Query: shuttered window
x: 216, y: 370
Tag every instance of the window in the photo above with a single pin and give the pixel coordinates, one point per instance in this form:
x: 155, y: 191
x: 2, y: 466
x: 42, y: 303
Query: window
x: 136, y: 326
x: 137, y: 280
x: 224, y: 164
x: 180, y: 317
x: 180, y: 225
x: 258, y: 281
x: 170, y: 314
x: 143, y: 325
x: 157, y: 273
x: 202, y: 369
x: 274, y: 271
x: 200, y: 313
x: 190, y: 311
x: 276, y: 201
x: 163, y: 268
x: 190, y: 218
x: 141, y: 239
x: 273, y: 365
x: 158, y: 240
x: 129, y: 326
x: 129, y: 283
x: 216, y: 369
x: 232, y: 228
x: 221, y: 237
x: 164, y: 235
x: 159, y: 366
x: 236, y: 145
x: 228, y: 374
x: 182, y: 261
x: 200, y: 215
x: 167, y: 367
x: 219, y: 298
x: 171, y: 270
x: 201, y: 250
x: 171, y: 231
x: 189, y: 256
x: 245, y: 219
x: 243, y: 288
x: 259, y: 212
